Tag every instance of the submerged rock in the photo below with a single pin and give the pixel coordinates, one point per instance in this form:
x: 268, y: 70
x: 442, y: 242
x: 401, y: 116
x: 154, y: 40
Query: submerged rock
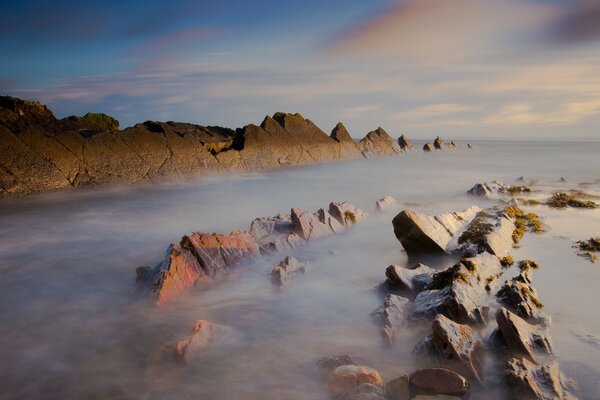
x: 495, y: 189
x: 419, y: 233
x: 520, y: 337
x: 204, y: 335
x: 530, y: 381
x: 346, y: 213
x: 390, y: 315
x: 427, y: 147
x: 385, y: 203
x: 458, y: 348
x: 348, y: 377
x: 439, y: 381
x: 283, y: 272
x: 438, y: 143
x: 404, y: 143
x: 329, y: 363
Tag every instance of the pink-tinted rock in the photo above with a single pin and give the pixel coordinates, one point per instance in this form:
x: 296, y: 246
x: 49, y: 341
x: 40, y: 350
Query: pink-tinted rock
x: 283, y: 271
x: 204, y: 334
x: 438, y: 381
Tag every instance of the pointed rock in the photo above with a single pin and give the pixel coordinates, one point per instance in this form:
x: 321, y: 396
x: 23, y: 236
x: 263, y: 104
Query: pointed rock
x: 404, y: 143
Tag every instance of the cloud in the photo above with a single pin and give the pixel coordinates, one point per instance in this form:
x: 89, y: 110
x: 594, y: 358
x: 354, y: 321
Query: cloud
x: 432, y: 111
x: 566, y: 113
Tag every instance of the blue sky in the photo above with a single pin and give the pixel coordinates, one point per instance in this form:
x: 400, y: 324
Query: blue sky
x: 460, y: 68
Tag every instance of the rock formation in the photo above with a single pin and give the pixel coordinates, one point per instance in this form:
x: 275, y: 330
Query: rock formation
x: 404, y: 143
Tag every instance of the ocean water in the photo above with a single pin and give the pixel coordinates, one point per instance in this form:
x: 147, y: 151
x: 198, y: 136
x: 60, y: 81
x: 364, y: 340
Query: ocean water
x: 73, y: 326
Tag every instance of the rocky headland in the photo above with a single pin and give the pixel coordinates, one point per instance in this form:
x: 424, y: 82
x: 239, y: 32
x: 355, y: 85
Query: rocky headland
x: 39, y: 152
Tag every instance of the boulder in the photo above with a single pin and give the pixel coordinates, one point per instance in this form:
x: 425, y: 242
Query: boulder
x: 404, y: 143
x: 310, y: 226
x: 458, y: 348
x: 385, y: 203
x: 348, y: 377
x: 390, y: 315
x: 519, y: 296
x: 413, y: 279
x: 438, y: 381
x: 346, y: 213
x: 365, y: 391
x: 283, y: 272
x: 378, y: 143
x: 520, y: 337
x: 329, y: 363
x: 530, y: 381
x: 421, y: 234
x: 204, y: 334
x: 398, y: 389
x: 427, y: 147
x: 461, y: 291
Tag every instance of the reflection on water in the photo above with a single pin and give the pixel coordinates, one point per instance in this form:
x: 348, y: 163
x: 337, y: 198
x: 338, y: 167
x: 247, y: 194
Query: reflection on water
x: 72, y: 325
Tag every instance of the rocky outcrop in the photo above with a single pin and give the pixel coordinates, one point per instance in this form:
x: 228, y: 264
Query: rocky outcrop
x: 39, y: 152
x: 385, y: 203
x: 413, y: 279
x: 378, y: 143
x: 520, y: 297
x: 285, y: 270
x: 530, y: 381
x: 199, y: 257
x: 404, y: 143
x: 390, y: 315
x: 438, y: 143
x: 496, y: 189
x: 489, y: 231
x: 520, y: 337
x: 348, y: 377
x: 419, y: 233
x: 428, y: 148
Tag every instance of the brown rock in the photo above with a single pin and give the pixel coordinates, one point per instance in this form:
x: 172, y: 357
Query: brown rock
x: 535, y: 382
x: 414, y: 279
x: 427, y: 147
x: 348, y: 148
x: 204, y: 334
x: 398, y: 389
x: 520, y: 337
x: 283, y: 272
x: 385, y: 203
x: 404, y: 143
x: 311, y: 226
x: 438, y: 381
x: 520, y: 297
x: 378, y: 143
x: 365, y: 391
x: 346, y: 213
x: 348, y: 377
x: 458, y: 348
x: 329, y: 363
x: 438, y: 143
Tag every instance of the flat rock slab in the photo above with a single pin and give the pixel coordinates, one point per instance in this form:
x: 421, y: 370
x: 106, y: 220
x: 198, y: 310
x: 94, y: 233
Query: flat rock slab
x: 424, y: 234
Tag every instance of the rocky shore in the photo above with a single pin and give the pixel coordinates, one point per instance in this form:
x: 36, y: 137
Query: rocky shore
x: 41, y: 153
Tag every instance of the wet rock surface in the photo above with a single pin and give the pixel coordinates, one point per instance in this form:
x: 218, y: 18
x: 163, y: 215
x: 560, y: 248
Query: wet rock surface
x: 329, y: 363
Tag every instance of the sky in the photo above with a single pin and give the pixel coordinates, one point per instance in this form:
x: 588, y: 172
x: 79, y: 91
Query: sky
x: 473, y: 69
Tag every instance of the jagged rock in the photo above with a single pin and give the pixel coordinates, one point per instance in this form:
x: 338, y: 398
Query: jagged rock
x: 461, y: 291
x: 310, y: 226
x: 427, y: 147
x: 453, y: 145
x: 491, y: 232
x: 378, y: 143
x: 390, y: 315
x: 458, y: 348
x: 346, y: 213
x: 414, y: 279
x: 329, y: 363
x: 404, y: 143
x: 283, y: 272
x: 198, y: 257
x: 348, y: 148
x: 521, y: 297
x: 438, y: 143
x: 520, y: 337
x: 495, y: 188
x: 536, y: 382
x: 470, y: 146
x: 439, y: 381
x: 365, y: 391
x: 348, y: 377
x: 275, y: 233
x: 385, y: 203
x: 204, y: 334
x: 420, y: 233
x: 398, y: 389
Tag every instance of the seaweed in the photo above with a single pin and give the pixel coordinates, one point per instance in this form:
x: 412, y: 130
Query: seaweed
x: 564, y: 200
x: 528, y: 264
x: 588, y: 248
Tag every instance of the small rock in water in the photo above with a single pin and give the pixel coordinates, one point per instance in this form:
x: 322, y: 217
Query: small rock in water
x: 385, y: 203
x: 204, y: 335
x: 348, y: 377
x: 329, y: 363
x: 398, y: 389
x: 283, y: 272
x: 427, y: 147
x: 439, y: 381
x: 404, y: 143
x: 390, y: 315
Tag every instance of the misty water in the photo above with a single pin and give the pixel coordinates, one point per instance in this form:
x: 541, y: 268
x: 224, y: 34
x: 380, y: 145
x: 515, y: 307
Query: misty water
x: 73, y: 326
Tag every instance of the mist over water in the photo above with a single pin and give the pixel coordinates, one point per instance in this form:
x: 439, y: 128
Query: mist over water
x: 73, y: 326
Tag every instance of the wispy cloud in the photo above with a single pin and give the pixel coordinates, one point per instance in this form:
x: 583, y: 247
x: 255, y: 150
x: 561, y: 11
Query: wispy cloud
x: 432, y: 111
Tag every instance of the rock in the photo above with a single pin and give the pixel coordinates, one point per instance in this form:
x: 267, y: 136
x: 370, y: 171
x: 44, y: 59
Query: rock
x: 535, y: 382
x: 421, y: 234
x: 348, y: 377
x: 275, y: 233
x: 461, y: 291
x: 520, y: 337
x: 198, y: 257
x: 427, y: 147
x: 453, y: 145
x: 404, y: 143
x: 398, y: 389
x: 520, y: 296
x: 329, y: 363
x: 491, y: 232
x: 562, y: 179
x: 390, y: 315
x: 283, y: 272
x: 346, y: 213
x: 438, y: 143
x: 495, y: 188
x: 435, y: 397
x: 310, y: 226
x: 365, y: 391
x: 385, y: 203
x: 439, y: 381
x: 414, y: 279
x: 348, y: 148
x: 470, y: 146
x: 458, y: 348
x: 204, y: 334
x: 378, y: 143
